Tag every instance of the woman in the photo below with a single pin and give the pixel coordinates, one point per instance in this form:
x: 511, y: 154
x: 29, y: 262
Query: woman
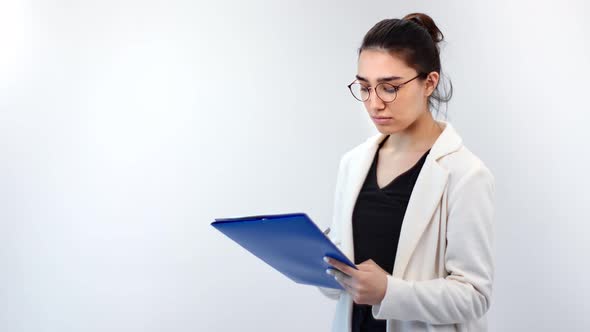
x: 413, y: 205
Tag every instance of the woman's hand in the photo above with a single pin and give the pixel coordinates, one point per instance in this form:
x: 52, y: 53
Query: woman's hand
x: 367, y: 285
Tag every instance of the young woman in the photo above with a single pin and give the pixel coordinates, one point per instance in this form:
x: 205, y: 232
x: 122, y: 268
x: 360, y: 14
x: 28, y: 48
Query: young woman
x: 413, y: 206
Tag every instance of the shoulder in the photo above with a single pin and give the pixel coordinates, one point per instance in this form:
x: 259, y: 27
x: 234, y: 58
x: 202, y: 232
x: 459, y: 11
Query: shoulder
x: 465, y: 167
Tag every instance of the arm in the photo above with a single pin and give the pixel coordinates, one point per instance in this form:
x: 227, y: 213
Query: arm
x: 465, y: 293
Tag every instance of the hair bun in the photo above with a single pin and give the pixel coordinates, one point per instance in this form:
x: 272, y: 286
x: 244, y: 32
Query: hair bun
x: 427, y: 23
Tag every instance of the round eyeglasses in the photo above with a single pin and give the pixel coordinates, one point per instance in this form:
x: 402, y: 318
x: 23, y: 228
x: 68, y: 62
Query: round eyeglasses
x: 385, y: 91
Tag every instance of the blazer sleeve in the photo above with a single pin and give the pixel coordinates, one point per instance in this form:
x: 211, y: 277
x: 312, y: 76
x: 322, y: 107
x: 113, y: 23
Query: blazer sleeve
x: 332, y: 293
x: 465, y: 293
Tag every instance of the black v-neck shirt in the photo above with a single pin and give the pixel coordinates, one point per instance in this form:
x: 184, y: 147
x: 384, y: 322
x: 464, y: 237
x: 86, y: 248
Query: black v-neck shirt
x: 376, y: 224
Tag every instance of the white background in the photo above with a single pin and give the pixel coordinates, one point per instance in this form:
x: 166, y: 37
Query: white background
x: 126, y: 127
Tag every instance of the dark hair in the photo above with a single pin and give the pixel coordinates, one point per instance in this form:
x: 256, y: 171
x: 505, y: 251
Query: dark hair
x: 415, y: 39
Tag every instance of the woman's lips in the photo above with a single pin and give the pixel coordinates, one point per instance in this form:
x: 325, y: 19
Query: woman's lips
x: 381, y: 120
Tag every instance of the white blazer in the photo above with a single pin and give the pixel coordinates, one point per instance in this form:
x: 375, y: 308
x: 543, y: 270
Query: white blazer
x: 443, y: 271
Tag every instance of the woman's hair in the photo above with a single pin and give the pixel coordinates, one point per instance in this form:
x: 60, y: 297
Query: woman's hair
x: 414, y: 39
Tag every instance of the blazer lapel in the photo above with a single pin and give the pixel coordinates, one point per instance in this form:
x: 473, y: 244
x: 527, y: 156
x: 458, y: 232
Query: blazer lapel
x: 425, y: 196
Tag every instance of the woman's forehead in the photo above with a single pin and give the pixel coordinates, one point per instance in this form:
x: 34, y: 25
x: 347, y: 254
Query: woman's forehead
x: 376, y: 64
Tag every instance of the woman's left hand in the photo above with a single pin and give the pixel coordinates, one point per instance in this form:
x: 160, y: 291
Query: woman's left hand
x: 367, y: 285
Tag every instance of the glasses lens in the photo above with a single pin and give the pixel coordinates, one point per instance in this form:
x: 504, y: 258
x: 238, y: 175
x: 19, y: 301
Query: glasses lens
x: 359, y: 91
x: 386, y: 92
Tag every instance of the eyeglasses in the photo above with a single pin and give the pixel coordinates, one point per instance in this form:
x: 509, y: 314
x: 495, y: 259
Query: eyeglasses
x: 385, y: 91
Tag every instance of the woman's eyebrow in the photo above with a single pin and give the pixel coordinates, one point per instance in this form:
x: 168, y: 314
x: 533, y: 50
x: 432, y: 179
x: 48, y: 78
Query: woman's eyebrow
x: 382, y: 79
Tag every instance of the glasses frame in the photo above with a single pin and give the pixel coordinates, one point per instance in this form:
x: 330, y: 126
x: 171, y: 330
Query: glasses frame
x: 395, y: 87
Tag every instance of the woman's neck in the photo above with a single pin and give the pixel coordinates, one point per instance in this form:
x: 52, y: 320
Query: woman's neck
x: 417, y: 137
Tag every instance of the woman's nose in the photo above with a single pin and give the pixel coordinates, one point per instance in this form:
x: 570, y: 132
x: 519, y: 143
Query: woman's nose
x: 374, y: 101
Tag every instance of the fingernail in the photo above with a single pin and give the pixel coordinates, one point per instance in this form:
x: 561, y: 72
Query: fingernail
x: 326, y: 260
x: 330, y: 272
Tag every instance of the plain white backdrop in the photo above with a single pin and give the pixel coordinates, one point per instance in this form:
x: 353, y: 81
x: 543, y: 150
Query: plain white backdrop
x: 126, y: 127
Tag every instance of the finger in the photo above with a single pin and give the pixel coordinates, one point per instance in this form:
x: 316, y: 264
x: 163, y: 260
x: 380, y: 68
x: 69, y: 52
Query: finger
x: 344, y: 279
x: 369, y: 265
x: 347, y: 289
x: 368, y: 261
x: 341, y: 266
x: 345, y: 285
x: 337, y: 273
x: 340, y: 276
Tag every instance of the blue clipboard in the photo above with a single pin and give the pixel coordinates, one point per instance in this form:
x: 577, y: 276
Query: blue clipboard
x: 291, y: 243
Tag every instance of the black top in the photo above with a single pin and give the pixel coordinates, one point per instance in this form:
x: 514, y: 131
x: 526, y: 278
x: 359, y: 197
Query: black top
x: 376, y: 225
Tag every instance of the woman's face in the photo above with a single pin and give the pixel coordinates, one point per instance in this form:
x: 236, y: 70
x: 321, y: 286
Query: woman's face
x: 411, y: 102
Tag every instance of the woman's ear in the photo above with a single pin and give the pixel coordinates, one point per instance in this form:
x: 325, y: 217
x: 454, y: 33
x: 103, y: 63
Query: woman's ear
x: 431, y: 83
